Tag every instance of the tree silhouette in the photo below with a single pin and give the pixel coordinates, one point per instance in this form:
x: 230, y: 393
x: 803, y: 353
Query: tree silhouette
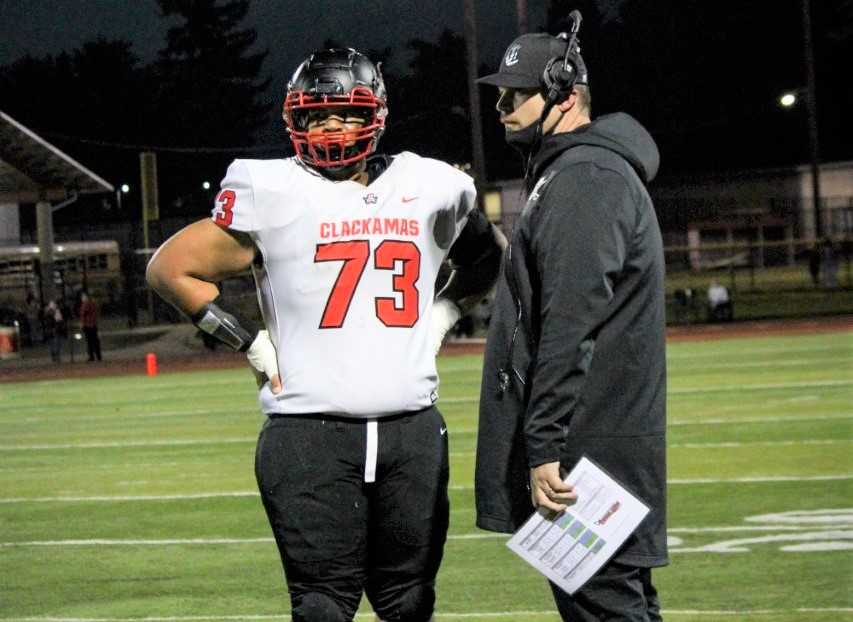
x: 208, y: 90
x: 428, y: 106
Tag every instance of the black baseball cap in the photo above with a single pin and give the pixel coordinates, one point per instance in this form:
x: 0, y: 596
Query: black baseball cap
x: 525, y: 59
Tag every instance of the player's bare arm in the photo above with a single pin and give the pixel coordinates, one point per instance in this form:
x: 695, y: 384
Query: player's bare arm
x: 185, y: 270
x: 186, y: 267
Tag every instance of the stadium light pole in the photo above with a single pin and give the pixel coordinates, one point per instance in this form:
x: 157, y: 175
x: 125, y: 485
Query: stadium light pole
x: 477, y: 154
x: 521, y: 11
x: 811, y: 108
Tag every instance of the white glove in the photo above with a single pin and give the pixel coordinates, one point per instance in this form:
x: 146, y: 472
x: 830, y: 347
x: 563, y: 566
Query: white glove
x: 445, y: 313
x: 262, y: 357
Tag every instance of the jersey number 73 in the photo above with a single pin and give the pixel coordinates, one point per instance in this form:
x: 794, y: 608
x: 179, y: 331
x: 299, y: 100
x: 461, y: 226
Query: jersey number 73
x: 355, y: 254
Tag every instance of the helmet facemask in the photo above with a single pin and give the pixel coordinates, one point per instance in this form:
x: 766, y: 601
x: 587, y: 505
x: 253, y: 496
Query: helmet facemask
x: 341, y: 83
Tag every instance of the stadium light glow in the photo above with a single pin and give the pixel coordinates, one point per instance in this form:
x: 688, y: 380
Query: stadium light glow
x: 125, y: 188
x: 788, y: 100
x: 206, y: 185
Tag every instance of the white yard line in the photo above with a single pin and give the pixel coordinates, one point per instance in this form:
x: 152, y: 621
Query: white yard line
x: 716, y: 421
x: 481, y: 535
x: 759, y: 443
x: 119, y: 444
x: 215, y: 495
x: 770, y: 386
x: 729, y: 421
x: 762, y: 479
x: 724, y: 445
x: 123, y: 498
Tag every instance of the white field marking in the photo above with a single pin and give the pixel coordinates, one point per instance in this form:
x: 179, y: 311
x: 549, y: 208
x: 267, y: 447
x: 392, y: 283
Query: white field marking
x: 122, y: 498
x: 122, y: 383
x: 817, y: 547
x: 134, y: 415
x: 741, y: 545
x: 727, y: 421
x: 737, y: 528
x: 764, y: 479
x: 760, y: 443
x: 732, y: 444
x: 448, y: 616
x: 116, y: 444
x: 109, y: 466
x: 810, y: 517
x: 770, y: 364
x: 109, y: 399
x: 717, y: 421
x: 727, y: 546
x: 214, y: 495
x: 198, y: 541
x: 776, y: 350
x: 761, y: 387
x: 758, y: 479
x: 800, y: 398
x: 249, y: 493
x: 688, y: 357
x: 66, y: 418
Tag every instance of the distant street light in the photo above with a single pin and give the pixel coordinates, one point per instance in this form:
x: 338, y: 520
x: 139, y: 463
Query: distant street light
x: 788, y: 99
x: 124, y: 189
x: 206, y: 185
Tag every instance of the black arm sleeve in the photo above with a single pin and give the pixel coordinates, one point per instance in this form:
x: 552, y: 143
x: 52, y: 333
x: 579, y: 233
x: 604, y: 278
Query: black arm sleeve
x: 215, y: 320
x: 475, y: 241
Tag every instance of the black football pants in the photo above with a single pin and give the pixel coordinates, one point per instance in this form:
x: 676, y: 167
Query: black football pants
x: 617, y: 592
x: 339, y: 536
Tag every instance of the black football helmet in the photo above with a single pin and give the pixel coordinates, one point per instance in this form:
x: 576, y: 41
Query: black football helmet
x: 329, y: 81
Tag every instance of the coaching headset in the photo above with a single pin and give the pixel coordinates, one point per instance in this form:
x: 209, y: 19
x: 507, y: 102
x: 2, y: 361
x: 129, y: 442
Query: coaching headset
x: 561, y: 72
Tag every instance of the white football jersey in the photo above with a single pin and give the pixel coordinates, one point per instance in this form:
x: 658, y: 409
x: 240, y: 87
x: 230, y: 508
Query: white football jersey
x: 348, y: 278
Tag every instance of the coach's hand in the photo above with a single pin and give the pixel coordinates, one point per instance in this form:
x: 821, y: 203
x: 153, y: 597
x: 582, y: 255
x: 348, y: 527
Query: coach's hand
x: 548, y: 490
x: 445, y: 313
x: 261, y: 355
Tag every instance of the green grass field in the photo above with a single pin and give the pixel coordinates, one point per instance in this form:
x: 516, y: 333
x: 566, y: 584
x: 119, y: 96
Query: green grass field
x: 134, y: 498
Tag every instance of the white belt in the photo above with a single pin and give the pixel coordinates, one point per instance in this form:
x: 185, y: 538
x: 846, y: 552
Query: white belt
x: 371, y: 451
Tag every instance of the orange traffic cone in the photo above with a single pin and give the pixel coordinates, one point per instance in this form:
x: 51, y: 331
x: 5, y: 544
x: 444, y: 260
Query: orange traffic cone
x: 151, y: 364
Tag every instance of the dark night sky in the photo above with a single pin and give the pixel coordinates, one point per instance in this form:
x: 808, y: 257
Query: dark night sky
x: 667, y: 94
x: 288, y: 29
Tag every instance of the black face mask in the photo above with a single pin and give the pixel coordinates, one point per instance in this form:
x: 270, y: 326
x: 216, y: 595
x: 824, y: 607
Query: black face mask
x: 523, y: 140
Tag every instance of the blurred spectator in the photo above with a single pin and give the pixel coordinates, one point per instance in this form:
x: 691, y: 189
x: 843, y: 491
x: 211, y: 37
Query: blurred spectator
x: 34, y: 317
x: 55, y: 330
x: 89, y: 323
x: 814, y: 263
x: 719, y: 303
x: 830, y: 264
x: 683, y: 304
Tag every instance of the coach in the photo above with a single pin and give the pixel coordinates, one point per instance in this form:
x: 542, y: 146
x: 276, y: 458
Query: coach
x: 575, y: 362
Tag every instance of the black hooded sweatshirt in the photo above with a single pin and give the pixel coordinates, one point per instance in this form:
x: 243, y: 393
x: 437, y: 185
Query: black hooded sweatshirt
x: 575, y: 359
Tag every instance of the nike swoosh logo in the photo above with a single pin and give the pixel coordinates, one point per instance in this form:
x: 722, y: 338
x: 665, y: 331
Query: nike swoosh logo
x: 442, y: 431
x: 409, y: 199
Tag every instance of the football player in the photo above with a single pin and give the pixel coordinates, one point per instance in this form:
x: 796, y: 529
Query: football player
x: 345, y: 244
